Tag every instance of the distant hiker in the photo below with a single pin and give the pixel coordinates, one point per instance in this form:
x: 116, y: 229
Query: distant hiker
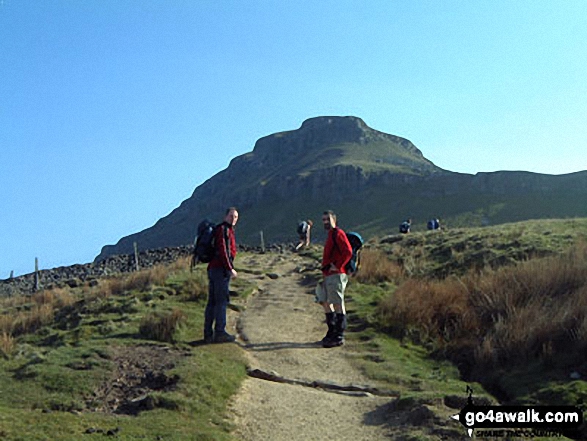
x: 220, y: 271
x: 304, y: 228
x: 433, y: 224
x: 337, y: 253
x: 405, y: 226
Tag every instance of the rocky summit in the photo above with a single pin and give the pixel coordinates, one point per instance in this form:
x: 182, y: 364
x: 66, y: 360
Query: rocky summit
x: 373, y: 180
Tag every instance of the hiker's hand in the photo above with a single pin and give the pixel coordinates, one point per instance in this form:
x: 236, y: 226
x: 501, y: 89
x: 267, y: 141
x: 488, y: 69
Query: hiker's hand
x: 233, y: 273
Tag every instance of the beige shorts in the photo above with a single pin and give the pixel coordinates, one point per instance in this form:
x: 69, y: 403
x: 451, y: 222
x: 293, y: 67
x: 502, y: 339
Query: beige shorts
x: 331, y: 289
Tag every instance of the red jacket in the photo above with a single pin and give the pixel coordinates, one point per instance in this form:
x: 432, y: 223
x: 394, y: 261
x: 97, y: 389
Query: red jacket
x: 337, y: 250
x: 224, y: 256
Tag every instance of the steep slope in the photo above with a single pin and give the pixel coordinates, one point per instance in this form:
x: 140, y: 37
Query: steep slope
x: 372, y: 179
x: 325, y: 155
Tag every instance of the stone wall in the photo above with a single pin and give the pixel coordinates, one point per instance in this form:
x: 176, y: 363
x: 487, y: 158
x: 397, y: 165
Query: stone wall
x: 79, y: 274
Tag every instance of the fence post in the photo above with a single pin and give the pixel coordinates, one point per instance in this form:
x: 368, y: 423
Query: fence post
x: 36, y: 274
x: 11, y: 274
x: 262, y: 242
x: 136, y: 256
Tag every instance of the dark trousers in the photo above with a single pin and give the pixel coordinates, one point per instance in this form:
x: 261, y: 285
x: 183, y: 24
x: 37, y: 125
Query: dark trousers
x: 215, y: 315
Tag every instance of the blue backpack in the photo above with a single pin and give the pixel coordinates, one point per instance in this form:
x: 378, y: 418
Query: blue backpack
x: 433, y: 224
x: 356, y: 242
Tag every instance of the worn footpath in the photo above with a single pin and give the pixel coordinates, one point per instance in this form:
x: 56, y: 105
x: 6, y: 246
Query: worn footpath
x: 297, y: 389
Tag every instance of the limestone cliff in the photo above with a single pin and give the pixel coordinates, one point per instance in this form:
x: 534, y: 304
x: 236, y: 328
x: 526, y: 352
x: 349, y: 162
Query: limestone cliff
x: 372, y: 179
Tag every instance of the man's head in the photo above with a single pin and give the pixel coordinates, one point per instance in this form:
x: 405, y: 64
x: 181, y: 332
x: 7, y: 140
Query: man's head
x: 231, y: 216
x: 329, y: 219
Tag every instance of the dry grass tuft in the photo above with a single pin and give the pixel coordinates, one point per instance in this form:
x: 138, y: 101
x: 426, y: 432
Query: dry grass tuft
x: 375, y: 267
x: 196, y: 287
x: 7, y: 344
x: 181, y: 264
x: 162, y: 326
x: 57, y: 297
x: 140, y: 281
x: 536, y: 309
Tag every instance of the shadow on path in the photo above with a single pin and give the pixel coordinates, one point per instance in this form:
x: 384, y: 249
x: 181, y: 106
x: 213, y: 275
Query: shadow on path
x: 275, y: 346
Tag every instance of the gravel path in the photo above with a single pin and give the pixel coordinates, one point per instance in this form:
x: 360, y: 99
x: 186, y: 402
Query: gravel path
x: 279, y: 330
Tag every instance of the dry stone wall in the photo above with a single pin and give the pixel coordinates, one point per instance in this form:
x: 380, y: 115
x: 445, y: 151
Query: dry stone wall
x: 79, y: 274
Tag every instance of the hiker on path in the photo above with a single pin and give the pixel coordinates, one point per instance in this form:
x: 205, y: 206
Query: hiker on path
x: 337, y: 253
x: 220, y: 271
x: 304, y: 228
x: 405, y: 226
x: 433, y: 224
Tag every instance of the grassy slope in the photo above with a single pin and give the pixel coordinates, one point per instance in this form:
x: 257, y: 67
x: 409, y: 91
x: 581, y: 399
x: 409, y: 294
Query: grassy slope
x: 456, y: 251
x: 536, y: 379
x: 49, y: 375
x: 42, y: 391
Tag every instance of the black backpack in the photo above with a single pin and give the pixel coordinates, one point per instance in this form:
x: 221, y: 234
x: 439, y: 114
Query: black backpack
x: 302, y: 227
x: 404, y: 227
x: 205, y: 249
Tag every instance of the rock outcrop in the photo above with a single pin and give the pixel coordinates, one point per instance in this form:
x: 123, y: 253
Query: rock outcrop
x: 373, y: 179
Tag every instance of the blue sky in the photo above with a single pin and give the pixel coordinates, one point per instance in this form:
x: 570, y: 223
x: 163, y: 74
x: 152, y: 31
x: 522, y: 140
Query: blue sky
x: 113, y: 111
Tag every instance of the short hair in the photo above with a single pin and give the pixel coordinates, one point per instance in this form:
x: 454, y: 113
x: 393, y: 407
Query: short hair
x: 229, y: 209
x: 330, y: 213
x: 310, y: 223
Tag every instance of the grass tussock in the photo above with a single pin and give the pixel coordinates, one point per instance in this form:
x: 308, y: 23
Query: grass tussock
x: 57, y: 297
x: 375, y: 267
x: 535, y: 310
x: 39, y: 311
x: 181, y: 264
x: 33, y: 320
x: 138, y: 281
x: 196, y: 287
x: 7, y: 344
x: 162, y: 326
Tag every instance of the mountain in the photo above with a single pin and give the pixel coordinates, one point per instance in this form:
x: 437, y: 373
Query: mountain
x: 371, y: 179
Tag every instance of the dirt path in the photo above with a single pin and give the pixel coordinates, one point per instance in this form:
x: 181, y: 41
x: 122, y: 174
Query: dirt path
x: 279, y: 330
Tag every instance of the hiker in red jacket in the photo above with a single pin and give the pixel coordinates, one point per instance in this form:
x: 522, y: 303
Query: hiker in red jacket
x: 337, y: 253
x: 220, y: 271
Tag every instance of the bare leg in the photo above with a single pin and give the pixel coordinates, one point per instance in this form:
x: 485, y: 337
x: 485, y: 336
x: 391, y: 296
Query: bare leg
x: 327, y: 307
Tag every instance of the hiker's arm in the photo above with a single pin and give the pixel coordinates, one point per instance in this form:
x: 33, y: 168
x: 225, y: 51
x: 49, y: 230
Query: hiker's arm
x: 223, y: 251
x: 346, y: 251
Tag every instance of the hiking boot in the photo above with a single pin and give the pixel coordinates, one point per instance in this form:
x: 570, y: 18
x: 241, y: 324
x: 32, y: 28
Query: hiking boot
x: 224, y: 337
x: 330, y: 321
x: 208, y: 339
x: 334, y: 342
x: 337, y: 338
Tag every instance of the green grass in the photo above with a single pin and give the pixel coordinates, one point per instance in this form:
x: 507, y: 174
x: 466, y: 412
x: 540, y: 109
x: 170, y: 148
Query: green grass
x: 457, y: 251
x: 47, y: 381
x: 425, y: 358
x: 396, y: 363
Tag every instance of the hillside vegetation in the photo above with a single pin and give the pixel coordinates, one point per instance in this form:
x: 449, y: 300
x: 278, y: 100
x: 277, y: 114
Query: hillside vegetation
x: 340, y: 163
x: 506, y: 304
x: 115, y: 359
x: 499, y: 308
